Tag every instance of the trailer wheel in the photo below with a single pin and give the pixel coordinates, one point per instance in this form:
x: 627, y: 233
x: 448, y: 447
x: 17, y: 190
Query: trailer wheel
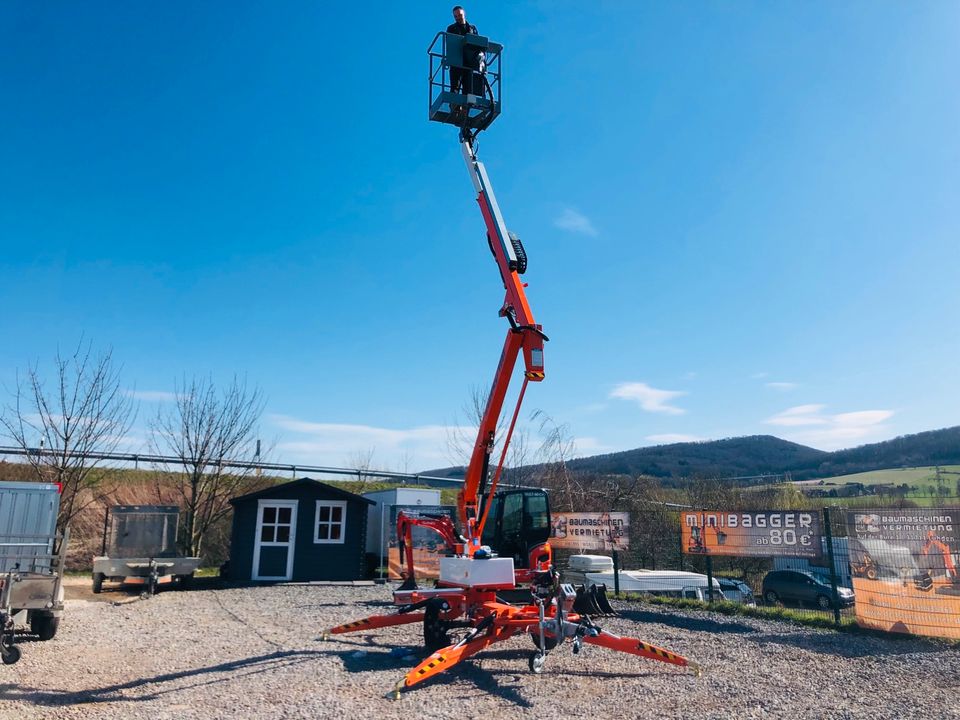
x: 11, y: 655
x: 185, y: 581
x: 537, y: 661
x: 98, y: 579
x: 44, y: 626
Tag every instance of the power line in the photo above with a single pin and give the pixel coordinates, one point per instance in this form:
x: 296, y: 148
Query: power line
x: 137, y: 458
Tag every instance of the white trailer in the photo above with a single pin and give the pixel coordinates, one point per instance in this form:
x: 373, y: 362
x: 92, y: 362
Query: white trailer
x: 598, y: 570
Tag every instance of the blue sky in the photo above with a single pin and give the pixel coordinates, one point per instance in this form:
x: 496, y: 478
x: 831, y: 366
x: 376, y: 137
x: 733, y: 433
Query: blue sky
x: 741, y: 217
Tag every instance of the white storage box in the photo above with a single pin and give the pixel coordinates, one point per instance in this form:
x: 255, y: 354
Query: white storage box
x: 467, y: 572
x: 590, y: 563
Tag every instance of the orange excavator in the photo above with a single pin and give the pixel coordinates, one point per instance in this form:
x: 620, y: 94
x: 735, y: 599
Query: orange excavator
x: 474, y: 578
x: 925, y: 581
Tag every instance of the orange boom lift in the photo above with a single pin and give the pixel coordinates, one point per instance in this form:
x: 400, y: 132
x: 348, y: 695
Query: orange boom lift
x: 472, y: 575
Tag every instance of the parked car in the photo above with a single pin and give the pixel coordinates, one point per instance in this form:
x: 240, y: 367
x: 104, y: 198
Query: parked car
x: 737, y: 591
x: 797, y: 586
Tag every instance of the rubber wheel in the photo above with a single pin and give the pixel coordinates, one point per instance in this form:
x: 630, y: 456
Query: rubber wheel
x: 536, y: 662
x: 823, y: 602
x: 871, y: 573
x: 549, y: 640
x: 11, y: 655
x: 44, y: 626
x: 98, y: 579
x: 771, y: 597
x: 434, y: 630
x: 185, y: 581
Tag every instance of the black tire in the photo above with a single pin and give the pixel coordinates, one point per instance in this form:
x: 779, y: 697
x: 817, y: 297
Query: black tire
x: 871, y: 573
x: 771, y: 597
x: 548, y: 640
x: 823, y: 602
x: 185, y: 581
x: 98, y: 579
x: 44, y: 626
x: 11, y: 655
x: 434, y: 628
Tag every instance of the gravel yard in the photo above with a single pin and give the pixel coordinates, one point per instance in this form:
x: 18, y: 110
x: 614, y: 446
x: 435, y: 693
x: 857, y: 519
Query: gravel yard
x: 257, y: 653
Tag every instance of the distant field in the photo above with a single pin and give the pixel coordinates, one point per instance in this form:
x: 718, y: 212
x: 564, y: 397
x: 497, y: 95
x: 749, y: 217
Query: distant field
x: 896, y: 476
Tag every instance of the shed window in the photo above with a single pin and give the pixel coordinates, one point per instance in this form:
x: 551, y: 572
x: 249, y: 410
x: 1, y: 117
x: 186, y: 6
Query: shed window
x: 331, y: 521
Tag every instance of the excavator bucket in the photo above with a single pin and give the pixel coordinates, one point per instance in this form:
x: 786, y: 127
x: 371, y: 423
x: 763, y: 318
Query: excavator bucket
x: 600, y: 600
x: 586, y: 602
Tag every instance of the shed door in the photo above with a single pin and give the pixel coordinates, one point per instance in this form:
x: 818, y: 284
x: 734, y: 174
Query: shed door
x: 275, y: 540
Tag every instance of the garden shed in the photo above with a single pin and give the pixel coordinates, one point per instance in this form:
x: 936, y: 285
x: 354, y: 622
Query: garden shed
x: 301, y: 530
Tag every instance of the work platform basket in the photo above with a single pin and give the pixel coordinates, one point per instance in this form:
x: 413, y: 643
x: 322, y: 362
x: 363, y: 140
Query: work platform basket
x: 464, y: 80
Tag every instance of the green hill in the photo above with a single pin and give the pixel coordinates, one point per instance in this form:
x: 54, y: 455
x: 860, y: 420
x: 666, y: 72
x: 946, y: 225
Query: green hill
x: 757, y: 455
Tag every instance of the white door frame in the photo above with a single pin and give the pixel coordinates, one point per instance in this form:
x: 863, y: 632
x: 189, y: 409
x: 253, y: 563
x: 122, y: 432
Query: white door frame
x: 291, y: 544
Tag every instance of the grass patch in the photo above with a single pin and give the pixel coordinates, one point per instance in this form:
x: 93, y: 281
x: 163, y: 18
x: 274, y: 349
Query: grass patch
x: 800, y: 617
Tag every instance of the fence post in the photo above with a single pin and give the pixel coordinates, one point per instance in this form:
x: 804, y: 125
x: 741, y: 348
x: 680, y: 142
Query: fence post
x: 710, y: 578
x: 828, y: 531
x: 616, y: 574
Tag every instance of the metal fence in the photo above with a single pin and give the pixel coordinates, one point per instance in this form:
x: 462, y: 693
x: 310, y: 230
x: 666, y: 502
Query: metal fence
x: 889, y: 569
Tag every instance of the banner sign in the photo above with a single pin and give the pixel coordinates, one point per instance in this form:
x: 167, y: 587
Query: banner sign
x: 904, y: 567
x: 428, y: 545
x: 590, y: 530
x: 775, y: 533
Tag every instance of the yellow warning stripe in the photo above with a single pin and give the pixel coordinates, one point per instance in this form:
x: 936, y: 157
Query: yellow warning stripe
x: 347, y: 626
x: 432, y: 665
x: 535, y: 375
x: 655, y: 650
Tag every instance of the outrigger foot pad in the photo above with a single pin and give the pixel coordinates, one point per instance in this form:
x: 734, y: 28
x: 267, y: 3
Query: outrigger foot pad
x: 394, y: 694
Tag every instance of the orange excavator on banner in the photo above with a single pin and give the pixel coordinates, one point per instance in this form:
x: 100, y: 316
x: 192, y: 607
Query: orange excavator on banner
x: 473, y: 577
x: 925, y: 581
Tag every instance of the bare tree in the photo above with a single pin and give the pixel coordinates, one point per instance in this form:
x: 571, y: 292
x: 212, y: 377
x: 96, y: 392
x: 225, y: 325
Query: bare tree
x: 84, y: 412
x: 207, y: 428
x: 462, y: 436
x: 362, y: 462
x: 569, y: 492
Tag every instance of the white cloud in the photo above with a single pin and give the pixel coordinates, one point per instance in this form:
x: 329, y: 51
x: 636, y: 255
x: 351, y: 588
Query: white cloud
x: 650, y: 399
x: 150, y: 395
x: 781, y: 385
x: 799, y: 415
x: 333, y: 444
x: 575, y: 222
x: 669, y: 438
x: 585, y: 446
x: 832, y: 432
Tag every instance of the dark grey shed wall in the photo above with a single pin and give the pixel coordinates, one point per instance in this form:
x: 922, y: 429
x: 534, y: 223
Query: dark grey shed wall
x: 311, y: 561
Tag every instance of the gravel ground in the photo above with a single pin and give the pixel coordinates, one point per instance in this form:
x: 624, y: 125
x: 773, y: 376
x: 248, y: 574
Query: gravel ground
x: 257, y: 653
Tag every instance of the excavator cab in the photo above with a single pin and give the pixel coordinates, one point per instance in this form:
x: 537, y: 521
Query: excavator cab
x: 519, y: 527
x: 464, y: 80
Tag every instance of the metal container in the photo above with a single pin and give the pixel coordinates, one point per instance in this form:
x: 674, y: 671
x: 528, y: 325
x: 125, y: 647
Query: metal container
x: 141, y: 531
x: 28, y: 524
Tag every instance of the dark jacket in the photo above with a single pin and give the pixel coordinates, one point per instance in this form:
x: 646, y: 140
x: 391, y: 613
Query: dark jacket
x: 465, y: 29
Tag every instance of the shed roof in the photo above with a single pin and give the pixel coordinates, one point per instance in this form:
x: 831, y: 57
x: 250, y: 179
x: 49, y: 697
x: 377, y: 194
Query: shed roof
x: 305, y: 481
